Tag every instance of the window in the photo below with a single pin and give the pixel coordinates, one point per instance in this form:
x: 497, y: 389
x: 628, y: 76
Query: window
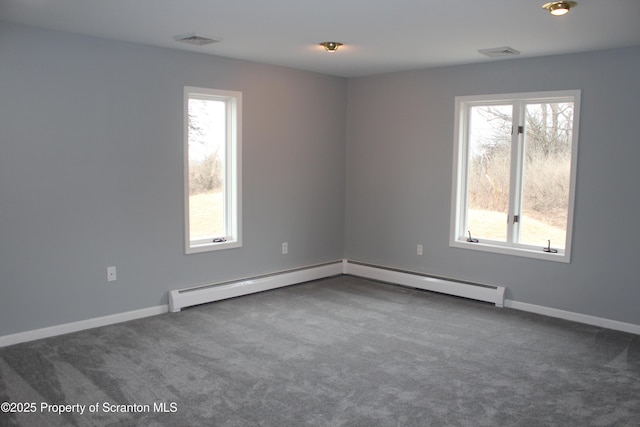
x: 212, y: 169
x: 514, y: 173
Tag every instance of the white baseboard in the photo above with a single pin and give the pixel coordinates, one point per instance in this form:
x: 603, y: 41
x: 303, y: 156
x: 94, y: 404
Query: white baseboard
x: 66, y: 328
x: 181, y: 298
x: 486, y: 293
x: 574, y: 317
x: 187, y: 297
x: 184, y: 298
x: 480, y: 293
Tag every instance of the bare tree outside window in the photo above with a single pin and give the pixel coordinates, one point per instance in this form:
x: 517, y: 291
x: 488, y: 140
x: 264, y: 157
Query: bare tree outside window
x: 207, y: 134
x: 212, y: 172
x: 546, y: 171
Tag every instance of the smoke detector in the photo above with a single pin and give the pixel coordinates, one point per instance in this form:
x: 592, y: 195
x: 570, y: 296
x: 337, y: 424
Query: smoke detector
x: 499, y: 51
x: 196, y: 39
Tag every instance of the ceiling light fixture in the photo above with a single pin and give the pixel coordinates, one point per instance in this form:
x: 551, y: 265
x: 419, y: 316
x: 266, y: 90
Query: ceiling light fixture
x: 559, y: 8
x: 330, y: 46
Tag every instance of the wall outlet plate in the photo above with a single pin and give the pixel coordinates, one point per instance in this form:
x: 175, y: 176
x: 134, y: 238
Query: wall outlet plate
x: 111, y: 274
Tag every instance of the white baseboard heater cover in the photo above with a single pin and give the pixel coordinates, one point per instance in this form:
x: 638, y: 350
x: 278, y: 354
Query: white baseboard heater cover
x: 181, y: 298
x: 479, y: 292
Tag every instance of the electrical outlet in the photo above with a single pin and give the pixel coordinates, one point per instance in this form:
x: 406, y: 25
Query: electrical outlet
x: 111, y: 274
x: 419, y: 250
x: 285, y: 248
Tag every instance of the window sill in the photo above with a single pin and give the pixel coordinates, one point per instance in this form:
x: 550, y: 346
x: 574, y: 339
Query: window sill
x: 213, y: 246
x: 560, y: 256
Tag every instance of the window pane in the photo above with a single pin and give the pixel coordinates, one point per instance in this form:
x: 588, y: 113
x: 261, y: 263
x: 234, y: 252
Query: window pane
x: 546, y: 175
x: 489, y: 165
x: 207, y: 142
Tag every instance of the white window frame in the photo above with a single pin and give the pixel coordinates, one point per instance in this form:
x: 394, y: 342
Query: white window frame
x: 232, y: 186
x: 458, y: 234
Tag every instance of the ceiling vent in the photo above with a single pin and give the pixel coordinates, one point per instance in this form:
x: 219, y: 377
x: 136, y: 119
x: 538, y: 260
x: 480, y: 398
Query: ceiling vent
x: 195, y: 39
x: 499, y: 52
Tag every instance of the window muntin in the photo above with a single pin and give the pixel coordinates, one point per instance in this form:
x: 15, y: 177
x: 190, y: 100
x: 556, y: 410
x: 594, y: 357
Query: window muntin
x: 212, y: 169
x: 514, y: 173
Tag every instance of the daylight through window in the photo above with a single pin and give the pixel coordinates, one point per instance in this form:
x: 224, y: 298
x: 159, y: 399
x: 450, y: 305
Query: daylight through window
x: 514, y: 173
x: 212, y: 164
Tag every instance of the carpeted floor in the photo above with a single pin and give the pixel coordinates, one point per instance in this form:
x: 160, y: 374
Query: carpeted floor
x: 342, y: 351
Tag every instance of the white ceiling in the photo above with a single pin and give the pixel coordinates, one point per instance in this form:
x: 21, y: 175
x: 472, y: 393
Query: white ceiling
x: 378, y: 36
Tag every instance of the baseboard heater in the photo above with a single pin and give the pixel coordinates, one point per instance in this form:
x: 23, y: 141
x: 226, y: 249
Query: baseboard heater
x: 181, y: 298
x: 475, y: 291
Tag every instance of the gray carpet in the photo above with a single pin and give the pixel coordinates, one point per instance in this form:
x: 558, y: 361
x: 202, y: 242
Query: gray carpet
x: 336, y: 352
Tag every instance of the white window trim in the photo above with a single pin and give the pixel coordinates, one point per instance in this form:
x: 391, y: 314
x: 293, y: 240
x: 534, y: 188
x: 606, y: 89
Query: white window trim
x: 458, y: 236
x: 233, y: 169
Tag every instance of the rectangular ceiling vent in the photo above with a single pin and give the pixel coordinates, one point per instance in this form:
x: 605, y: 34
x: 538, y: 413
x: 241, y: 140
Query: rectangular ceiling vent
x: 499, y: 51
x: 195, y: 39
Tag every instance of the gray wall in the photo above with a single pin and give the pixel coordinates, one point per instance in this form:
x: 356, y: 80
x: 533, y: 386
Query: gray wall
x: 399, y: 172
x: 91, y: 174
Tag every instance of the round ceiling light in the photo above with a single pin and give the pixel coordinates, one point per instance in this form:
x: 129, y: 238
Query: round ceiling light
x: 330, y: 46
x: 559, y: 8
